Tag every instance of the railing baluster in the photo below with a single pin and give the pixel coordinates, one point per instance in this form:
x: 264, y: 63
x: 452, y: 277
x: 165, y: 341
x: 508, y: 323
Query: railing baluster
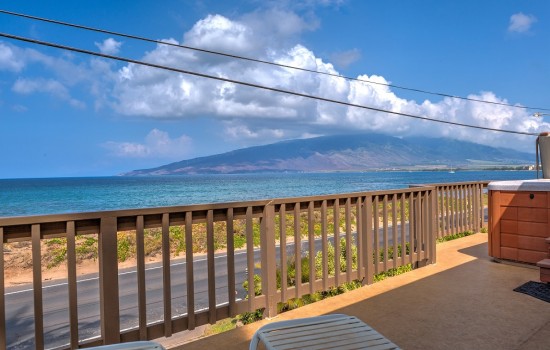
x: 189, y: 275
x: 367, y: 241
x: 37, y: 288
x: 359, y: 234
x: 324, y: 243
x: 349, y: 259
x: 283, y: 255
x: 212, y: 317
x: 297, y: 251
x: 385, y: 225
x: 376, y: 236
x: 71, y: 283
x: 311, y: 246
x: 166, y: 284
x: 434, y: 223
x: 412, y: 228
x: 403, y: 233
x: 269, y: 263
x: 3, y: 340
x: 250, y: 259
x: 336, y: 218
x: 475, y: 195
x: 108, y: 281
x: 395, y: 238
x: 140, y: 267
x: 447, y: 209
x: 231, y: 289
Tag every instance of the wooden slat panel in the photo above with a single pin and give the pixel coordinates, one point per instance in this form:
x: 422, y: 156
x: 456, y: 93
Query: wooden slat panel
x: 523, y: 199
x: 536, y: 229
x: 140, y: 268
x: 403, y: 232
x: 211, y: 268
x: 37, y: 288
x: 495, y: 216
x: 507, y: 213
x: 533, y: 214
x: 283, y: 255
x: 71, y: 284
x: 324, y: 244
x: 3, y: 344
x: 189, y: 275
x: 231, y: 288
x: 166, y: 283
x: 336, y: 218
x: 311, y: 245
x: 250, y: 259
x: 477, y: 220
x: 348, y: 241
x: 509, y: 226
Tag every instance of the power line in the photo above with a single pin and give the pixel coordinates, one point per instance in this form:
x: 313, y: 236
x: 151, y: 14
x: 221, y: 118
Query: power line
x: 130, y: 36
x: 263, y: 87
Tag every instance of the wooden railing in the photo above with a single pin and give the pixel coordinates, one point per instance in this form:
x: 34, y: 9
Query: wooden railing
x: 292, y: 247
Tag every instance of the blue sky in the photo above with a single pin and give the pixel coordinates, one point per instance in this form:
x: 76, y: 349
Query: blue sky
x: 69, y: 114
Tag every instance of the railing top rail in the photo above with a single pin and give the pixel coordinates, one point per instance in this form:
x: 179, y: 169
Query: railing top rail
x: 462, y: 183
x: 52, y: 218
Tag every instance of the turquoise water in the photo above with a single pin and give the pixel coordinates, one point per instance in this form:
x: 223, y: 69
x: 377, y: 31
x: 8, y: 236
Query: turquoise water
x: 21, y: 197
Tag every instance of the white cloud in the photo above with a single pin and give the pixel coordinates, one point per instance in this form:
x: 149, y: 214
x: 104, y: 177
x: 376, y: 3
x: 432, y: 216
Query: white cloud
x: 255, y: 114
x: 345, y: 58
x: 109, y: 46
x: 9, y: 60
x: 521, y: 23
x: 157, y: 144
x: 48, y: 86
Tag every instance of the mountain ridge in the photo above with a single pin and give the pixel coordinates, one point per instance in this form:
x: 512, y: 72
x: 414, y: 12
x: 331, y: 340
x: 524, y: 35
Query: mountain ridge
x: 357, y: 152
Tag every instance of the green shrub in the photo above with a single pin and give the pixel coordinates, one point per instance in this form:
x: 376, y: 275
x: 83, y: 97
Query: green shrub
x: 455, y: 236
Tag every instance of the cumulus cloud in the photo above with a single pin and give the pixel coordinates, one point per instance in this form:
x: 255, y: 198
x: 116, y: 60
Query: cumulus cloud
x: 157, y: 144
x: 521, y: 23
x: 254, y: 114
x: 109, y: 46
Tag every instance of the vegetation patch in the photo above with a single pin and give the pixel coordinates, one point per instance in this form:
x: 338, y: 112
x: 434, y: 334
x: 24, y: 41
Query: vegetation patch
x: 455, y: 236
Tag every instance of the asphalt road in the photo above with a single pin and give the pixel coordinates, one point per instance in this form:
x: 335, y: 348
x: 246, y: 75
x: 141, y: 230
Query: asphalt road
x: 19, y: 301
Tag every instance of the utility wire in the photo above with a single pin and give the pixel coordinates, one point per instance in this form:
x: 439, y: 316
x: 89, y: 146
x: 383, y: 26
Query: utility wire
x: 288, y: 92
x: 265, y: 62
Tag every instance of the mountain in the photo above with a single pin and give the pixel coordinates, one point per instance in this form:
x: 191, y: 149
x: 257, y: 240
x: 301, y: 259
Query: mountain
x: 347, y: 153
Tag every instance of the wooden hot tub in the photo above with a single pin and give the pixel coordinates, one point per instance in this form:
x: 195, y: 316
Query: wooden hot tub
x: 519, y: 213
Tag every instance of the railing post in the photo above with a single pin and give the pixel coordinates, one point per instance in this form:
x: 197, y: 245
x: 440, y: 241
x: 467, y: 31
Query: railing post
x: 269, y: 264
x: 108, y: 281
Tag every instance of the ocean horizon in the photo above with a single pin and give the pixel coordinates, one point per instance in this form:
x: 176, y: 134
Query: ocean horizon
x: 41, y: 196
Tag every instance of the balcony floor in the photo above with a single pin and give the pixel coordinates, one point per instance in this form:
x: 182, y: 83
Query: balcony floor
x: 465, y: 301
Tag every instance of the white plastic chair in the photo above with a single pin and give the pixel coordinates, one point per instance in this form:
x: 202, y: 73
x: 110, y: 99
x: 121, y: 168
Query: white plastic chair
x: 336, y: 331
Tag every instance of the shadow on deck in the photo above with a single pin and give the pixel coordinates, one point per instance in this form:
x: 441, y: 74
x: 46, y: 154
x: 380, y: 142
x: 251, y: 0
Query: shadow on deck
x: 464, y: 301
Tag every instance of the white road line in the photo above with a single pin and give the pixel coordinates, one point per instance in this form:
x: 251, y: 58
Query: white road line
x: 120, y: 274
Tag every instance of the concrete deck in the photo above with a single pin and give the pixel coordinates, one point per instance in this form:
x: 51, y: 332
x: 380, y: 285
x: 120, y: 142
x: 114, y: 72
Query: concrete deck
x: 465, y: 301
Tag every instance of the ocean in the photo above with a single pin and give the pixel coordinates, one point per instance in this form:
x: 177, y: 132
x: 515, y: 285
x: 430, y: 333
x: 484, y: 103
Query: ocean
x: 24, y: 197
